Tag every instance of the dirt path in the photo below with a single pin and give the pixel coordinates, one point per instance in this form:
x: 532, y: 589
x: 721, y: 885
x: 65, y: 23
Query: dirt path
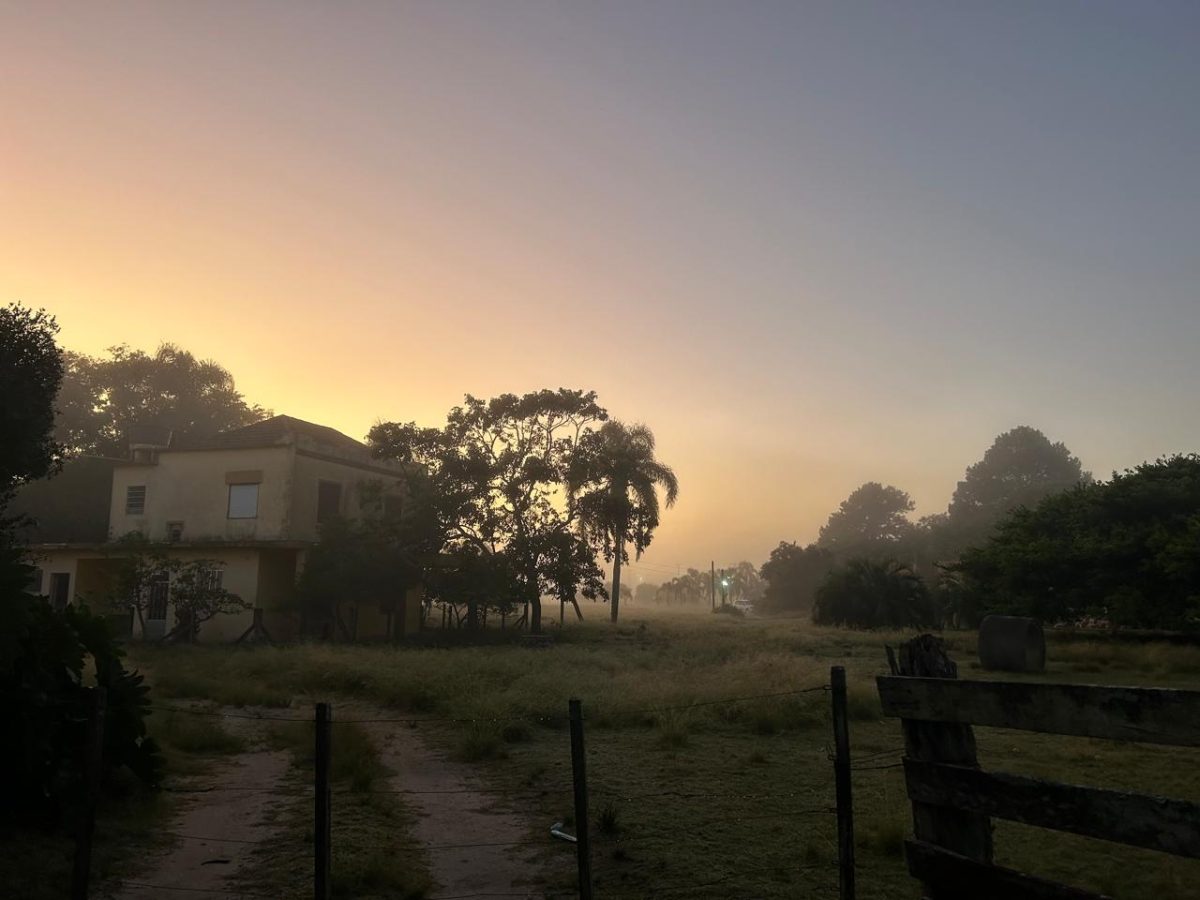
x: 453, y: 808
x: 222, y: 828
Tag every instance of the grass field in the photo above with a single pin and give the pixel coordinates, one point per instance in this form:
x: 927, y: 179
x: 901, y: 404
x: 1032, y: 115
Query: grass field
x: 719, y: 797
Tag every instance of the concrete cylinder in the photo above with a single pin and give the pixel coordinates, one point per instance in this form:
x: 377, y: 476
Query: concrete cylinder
x: 1012, y: 644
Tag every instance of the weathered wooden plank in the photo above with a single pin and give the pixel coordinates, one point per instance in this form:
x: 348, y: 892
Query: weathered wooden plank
x: 969, y: 834
x: 1150, y: 715
x: 1156, y: 823
x: 957, y: 876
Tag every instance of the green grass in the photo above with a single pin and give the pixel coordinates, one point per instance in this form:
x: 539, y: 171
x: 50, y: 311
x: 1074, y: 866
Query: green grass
x: 192, y: 735
x: 374, y: 855
x: 719, y: 794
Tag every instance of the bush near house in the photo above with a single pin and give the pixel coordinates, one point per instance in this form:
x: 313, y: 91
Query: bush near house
x: 44, y: 692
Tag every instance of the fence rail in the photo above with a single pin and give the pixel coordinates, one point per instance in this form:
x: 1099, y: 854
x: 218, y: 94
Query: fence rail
x: 954, y: 800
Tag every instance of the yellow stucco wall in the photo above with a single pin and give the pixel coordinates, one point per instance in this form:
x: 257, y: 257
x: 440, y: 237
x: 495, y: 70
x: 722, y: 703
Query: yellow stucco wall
x: 310, y: 471
x: 190, y: 487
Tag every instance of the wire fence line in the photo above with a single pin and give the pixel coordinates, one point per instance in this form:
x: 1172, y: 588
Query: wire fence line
x: 465, y: 720
x: 282, y: 847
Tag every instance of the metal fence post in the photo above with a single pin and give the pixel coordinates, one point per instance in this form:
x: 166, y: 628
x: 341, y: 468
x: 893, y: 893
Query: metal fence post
x: 841, y: 774
x: 322, y: 831
x: 93, y: 762
x: 583, y: 844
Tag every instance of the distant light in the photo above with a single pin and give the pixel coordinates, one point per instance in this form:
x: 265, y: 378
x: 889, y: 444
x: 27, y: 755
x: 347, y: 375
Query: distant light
x: 724, y: 582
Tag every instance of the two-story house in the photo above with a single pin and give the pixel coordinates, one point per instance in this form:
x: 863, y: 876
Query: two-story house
x: 252, y: 500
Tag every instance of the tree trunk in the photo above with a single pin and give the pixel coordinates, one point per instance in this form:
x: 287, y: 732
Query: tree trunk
x: 616, y: 589
x: 535, y: 620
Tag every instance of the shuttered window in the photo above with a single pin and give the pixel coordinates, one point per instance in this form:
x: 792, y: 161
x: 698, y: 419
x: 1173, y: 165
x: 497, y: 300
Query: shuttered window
x: 135, y: 500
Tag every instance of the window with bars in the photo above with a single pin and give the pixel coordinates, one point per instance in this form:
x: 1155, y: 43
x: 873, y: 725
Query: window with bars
x: 160, y: 589
x: 135, y: 500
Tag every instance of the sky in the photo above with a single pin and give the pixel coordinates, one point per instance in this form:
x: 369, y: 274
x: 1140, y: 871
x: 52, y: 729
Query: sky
x: 809, y: 244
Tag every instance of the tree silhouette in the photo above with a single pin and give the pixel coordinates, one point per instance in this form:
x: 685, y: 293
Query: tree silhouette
x: 873, y: 518
x: 614, y: 482
x: 496, y: 475
x: 1020, y: 468
x: 105, y: 403
x: 30, y: 371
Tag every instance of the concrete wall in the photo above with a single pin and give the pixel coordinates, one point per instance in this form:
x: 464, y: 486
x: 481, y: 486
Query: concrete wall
x: 310, y: 471
x: 190, y: 487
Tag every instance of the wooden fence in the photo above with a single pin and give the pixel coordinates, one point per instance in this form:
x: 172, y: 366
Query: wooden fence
x: 954, y: 800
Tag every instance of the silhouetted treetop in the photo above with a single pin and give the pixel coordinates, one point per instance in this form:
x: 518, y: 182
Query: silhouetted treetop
x: 1020, y: 468
x: 875, y: 515
x: 106, y: 403
x: 30, y: 374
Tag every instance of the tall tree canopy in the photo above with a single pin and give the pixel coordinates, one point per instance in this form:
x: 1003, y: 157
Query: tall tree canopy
x: 31, y: 369
x: 792, y: 576
x: 614, y: 480
x: 497, y: 475
x: 1020, y: 468
x: 105, y: 402
x: 1123, y: 550
x: 873, y: 519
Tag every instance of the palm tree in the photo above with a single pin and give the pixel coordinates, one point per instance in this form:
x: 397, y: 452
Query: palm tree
x: 614, y: 485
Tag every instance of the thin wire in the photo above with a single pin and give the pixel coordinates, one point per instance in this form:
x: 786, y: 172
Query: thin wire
x: 739, y: 819
x: 227, y: 892
x: 493, y: 719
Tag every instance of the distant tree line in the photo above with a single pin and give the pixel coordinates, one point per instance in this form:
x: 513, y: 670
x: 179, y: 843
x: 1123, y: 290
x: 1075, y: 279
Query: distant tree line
x: 1027, y: 532
x: 873, y: 565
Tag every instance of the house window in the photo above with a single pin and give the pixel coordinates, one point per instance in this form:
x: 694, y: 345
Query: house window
x: 60, y: 589
x: 135, y: 500
x: 243, y: 501
x: 329, y: 500
x: 211, y: 579
x: 174, y: 532
x: 156, y: 605
x: 35, y: 582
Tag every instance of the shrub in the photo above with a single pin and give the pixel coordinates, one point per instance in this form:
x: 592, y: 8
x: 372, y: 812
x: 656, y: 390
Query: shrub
x: 45, y: 694
x: 868, y: 593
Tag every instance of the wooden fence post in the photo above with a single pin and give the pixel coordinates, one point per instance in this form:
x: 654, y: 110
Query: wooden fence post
x: 841, y: 774
x: 322, y: 830
x: 93, y: 767
x: 583, y: 844
x: 965, y: 833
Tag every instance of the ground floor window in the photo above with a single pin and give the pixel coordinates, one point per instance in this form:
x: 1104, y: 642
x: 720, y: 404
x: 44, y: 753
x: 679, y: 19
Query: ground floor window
x: 156, y: 607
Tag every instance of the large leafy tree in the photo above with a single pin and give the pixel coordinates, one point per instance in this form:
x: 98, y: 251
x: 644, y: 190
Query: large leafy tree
x: 1122, y: 550
x: 48, y: 658
x: 1020, y: 468
x: 105, y: 402
x: 872, y: 520
x: 793, y: 574
x: 31, y: 368
x: 495, y: 477
x: 614, y: 481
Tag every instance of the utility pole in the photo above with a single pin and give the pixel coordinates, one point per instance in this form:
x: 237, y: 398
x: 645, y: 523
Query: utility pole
x: 712, y: 582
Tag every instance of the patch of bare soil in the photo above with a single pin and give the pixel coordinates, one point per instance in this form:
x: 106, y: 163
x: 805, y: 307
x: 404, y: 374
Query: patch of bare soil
x: 215, y: 832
